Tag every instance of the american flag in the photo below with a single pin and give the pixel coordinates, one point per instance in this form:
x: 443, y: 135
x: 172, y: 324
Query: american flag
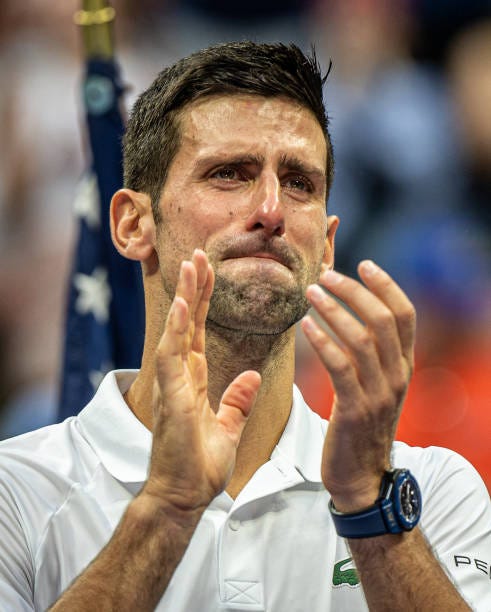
x: 105, y: 310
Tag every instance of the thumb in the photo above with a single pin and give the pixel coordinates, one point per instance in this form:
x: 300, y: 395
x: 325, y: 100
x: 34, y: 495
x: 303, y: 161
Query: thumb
x: 237, y: 403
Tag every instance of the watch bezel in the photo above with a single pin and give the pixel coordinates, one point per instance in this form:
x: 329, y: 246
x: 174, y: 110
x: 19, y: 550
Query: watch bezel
x: 395, y: 509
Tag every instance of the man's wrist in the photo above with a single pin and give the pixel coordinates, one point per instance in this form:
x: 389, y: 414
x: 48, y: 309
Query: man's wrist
x: 354, y: 503
x: 150, y: 508
x: 357, y: 498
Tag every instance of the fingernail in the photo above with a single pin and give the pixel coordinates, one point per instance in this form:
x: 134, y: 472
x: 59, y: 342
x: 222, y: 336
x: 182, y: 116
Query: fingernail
x: 369, y: 267
x: 331, y: 277
x: 316, y: 292
x: 308, y: 324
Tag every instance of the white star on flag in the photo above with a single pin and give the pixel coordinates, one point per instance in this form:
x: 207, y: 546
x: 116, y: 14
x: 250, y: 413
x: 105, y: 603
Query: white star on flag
x: 86, y: 205
x: 94, y: 294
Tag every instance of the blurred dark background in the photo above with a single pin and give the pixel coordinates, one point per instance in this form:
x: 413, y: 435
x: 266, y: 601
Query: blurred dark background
x: 409, y: 99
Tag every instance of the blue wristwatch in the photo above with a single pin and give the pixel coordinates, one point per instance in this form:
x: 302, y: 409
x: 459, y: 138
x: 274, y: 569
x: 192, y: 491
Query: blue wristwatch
x: 397, y: 509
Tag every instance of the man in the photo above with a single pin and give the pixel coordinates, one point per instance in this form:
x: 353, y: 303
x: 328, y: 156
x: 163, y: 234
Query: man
x: 234, y: 502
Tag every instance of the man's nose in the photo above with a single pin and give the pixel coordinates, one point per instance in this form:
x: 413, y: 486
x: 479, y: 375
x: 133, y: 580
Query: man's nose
x: 267, y: 208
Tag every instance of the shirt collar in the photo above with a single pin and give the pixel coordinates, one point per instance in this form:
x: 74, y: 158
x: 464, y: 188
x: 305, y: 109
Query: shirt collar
x: 118, y: 438
x: 123, y: 443
x: 302, y: 441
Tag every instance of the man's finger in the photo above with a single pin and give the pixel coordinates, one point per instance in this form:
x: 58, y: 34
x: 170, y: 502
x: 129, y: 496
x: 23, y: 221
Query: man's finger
x: 186, y: 283
x: 359, y: 342
x: 389, y: 292
x: 169, y: 362
x: 237, y: 403
x: 175, y: 343
x: 343, y: 374
x: 202, y: 310
x: 382, y: 311
x: 200, y: 263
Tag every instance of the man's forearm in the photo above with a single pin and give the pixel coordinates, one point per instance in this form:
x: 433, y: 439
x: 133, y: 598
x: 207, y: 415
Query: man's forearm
x: 134, y: 569
x: 400, y: 572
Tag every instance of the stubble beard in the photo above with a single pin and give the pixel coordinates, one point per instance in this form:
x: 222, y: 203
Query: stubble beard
x: 256, y: 308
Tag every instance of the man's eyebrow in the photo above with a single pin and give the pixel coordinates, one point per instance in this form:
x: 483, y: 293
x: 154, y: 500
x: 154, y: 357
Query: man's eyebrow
x: 290, y: 162
x: 297, y: 165
x: 227, y: 159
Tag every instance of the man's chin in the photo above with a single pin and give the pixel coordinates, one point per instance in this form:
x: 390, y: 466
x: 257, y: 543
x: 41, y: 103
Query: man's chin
x: 262, y: 315
x: 256, y: 307
x: 249, y: 327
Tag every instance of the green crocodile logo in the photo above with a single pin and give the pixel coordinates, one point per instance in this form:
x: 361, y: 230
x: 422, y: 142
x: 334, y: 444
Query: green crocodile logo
x: 344, y: 576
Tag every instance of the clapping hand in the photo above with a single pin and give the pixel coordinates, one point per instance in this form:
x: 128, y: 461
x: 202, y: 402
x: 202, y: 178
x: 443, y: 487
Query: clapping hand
x: 370, y: 364
x: 194, y: 448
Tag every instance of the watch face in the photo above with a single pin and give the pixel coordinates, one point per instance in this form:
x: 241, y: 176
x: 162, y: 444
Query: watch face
x: 408, y: 500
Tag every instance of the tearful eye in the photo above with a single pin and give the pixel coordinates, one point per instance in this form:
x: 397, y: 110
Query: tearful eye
x: 227, y: 173
x: 299, y: 183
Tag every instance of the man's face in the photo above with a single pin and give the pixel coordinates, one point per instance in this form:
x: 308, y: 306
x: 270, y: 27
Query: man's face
x: 248, y: 186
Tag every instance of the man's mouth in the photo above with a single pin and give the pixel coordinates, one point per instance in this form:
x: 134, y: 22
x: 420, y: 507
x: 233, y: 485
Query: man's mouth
x: 267, y: 256
x: 280, y: 253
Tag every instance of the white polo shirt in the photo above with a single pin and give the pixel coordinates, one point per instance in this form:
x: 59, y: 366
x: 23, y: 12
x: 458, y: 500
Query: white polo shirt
x: 64, y: 488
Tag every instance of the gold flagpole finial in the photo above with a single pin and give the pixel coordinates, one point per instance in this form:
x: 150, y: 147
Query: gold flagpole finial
x: 95, y: 19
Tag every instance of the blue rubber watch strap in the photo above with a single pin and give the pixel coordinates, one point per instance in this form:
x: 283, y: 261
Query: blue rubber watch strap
x: 364, y: 524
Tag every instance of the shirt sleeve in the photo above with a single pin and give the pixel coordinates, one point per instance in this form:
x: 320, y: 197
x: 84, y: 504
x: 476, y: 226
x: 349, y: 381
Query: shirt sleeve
x: 16, y: 567
x: 456, y: 521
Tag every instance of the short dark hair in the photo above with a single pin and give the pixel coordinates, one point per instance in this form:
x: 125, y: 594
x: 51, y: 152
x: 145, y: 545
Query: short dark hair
x: 152, y: 137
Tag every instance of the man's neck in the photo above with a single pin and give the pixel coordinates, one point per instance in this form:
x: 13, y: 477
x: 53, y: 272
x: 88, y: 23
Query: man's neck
x: 228, y: 355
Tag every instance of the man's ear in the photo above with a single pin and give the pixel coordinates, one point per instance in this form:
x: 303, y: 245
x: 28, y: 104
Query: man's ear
x: 332, y: 226
x: 132, y: 224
